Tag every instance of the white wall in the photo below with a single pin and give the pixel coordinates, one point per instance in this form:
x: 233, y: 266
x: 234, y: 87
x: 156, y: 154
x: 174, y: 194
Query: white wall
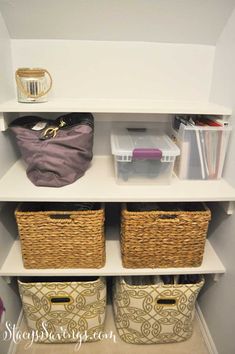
x: 223, y: 84
x: 91, y: 69
x: 172, y: 21
x: 6, y: 93
x: 7, y: 292
x: 217, y: 301
x: 6, y: 90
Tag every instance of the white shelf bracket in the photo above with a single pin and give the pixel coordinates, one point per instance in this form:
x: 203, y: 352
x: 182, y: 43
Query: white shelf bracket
x: 216, y: 277
x: 228, y: 207
x: 7, y: 279
x: 3, y: 123
x: 6, y: 118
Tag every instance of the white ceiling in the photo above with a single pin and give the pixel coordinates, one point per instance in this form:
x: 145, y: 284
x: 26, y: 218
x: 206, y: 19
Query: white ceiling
x: 175, y: 21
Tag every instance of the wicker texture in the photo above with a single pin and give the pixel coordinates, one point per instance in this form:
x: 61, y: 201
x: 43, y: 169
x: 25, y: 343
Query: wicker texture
x: 62, y: 239
x: 163, y: 239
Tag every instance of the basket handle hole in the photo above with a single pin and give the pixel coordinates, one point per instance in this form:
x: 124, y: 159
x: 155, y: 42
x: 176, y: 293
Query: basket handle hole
x: 166, y: 301
x: 60, y: 216
x: 168, y: 216
x: 60, y: 300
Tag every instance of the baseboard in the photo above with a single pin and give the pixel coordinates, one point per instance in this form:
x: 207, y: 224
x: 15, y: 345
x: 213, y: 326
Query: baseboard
x: 12, y: 347
x: 205, y: 331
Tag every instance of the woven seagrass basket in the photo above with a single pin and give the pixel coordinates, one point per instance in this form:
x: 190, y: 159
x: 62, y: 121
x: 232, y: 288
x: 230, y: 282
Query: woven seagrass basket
x: 56, y: 235
x: 164, y: 239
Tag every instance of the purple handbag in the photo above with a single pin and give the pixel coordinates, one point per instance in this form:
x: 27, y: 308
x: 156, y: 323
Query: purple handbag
x: 57, y: 152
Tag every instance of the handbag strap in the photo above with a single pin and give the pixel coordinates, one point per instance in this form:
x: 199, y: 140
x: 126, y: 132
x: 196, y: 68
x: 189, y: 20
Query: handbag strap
x: 52, y: 127
x: 73, y: 119
x: 67, y: 121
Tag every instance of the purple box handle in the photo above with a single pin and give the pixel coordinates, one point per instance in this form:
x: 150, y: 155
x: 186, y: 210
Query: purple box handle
x: 152, y: 154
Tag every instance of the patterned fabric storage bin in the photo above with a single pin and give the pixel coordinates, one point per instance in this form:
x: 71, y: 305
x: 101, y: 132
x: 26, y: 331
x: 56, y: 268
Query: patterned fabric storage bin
x: 61, y: 235
x: 61, y: 310
x: 163, y: 235
x: 154, y: 313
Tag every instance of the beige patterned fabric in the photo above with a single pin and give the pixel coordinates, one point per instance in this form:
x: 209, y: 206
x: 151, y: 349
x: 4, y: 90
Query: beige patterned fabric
x: 154, y: 313
x: 62, y: 311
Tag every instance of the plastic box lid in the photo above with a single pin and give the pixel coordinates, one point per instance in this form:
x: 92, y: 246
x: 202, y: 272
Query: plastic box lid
x: 142, y: 144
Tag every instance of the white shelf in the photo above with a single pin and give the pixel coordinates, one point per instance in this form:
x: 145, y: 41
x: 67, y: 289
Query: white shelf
x: 99, y: 185
x: 117, y: 106
x: 13, y: 265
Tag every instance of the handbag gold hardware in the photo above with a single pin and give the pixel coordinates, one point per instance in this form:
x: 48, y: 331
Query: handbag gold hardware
x: 51, y: 132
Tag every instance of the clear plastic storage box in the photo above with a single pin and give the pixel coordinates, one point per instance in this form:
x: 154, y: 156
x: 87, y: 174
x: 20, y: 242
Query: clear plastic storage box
x: 202, y: 151
x: 143, y: 156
